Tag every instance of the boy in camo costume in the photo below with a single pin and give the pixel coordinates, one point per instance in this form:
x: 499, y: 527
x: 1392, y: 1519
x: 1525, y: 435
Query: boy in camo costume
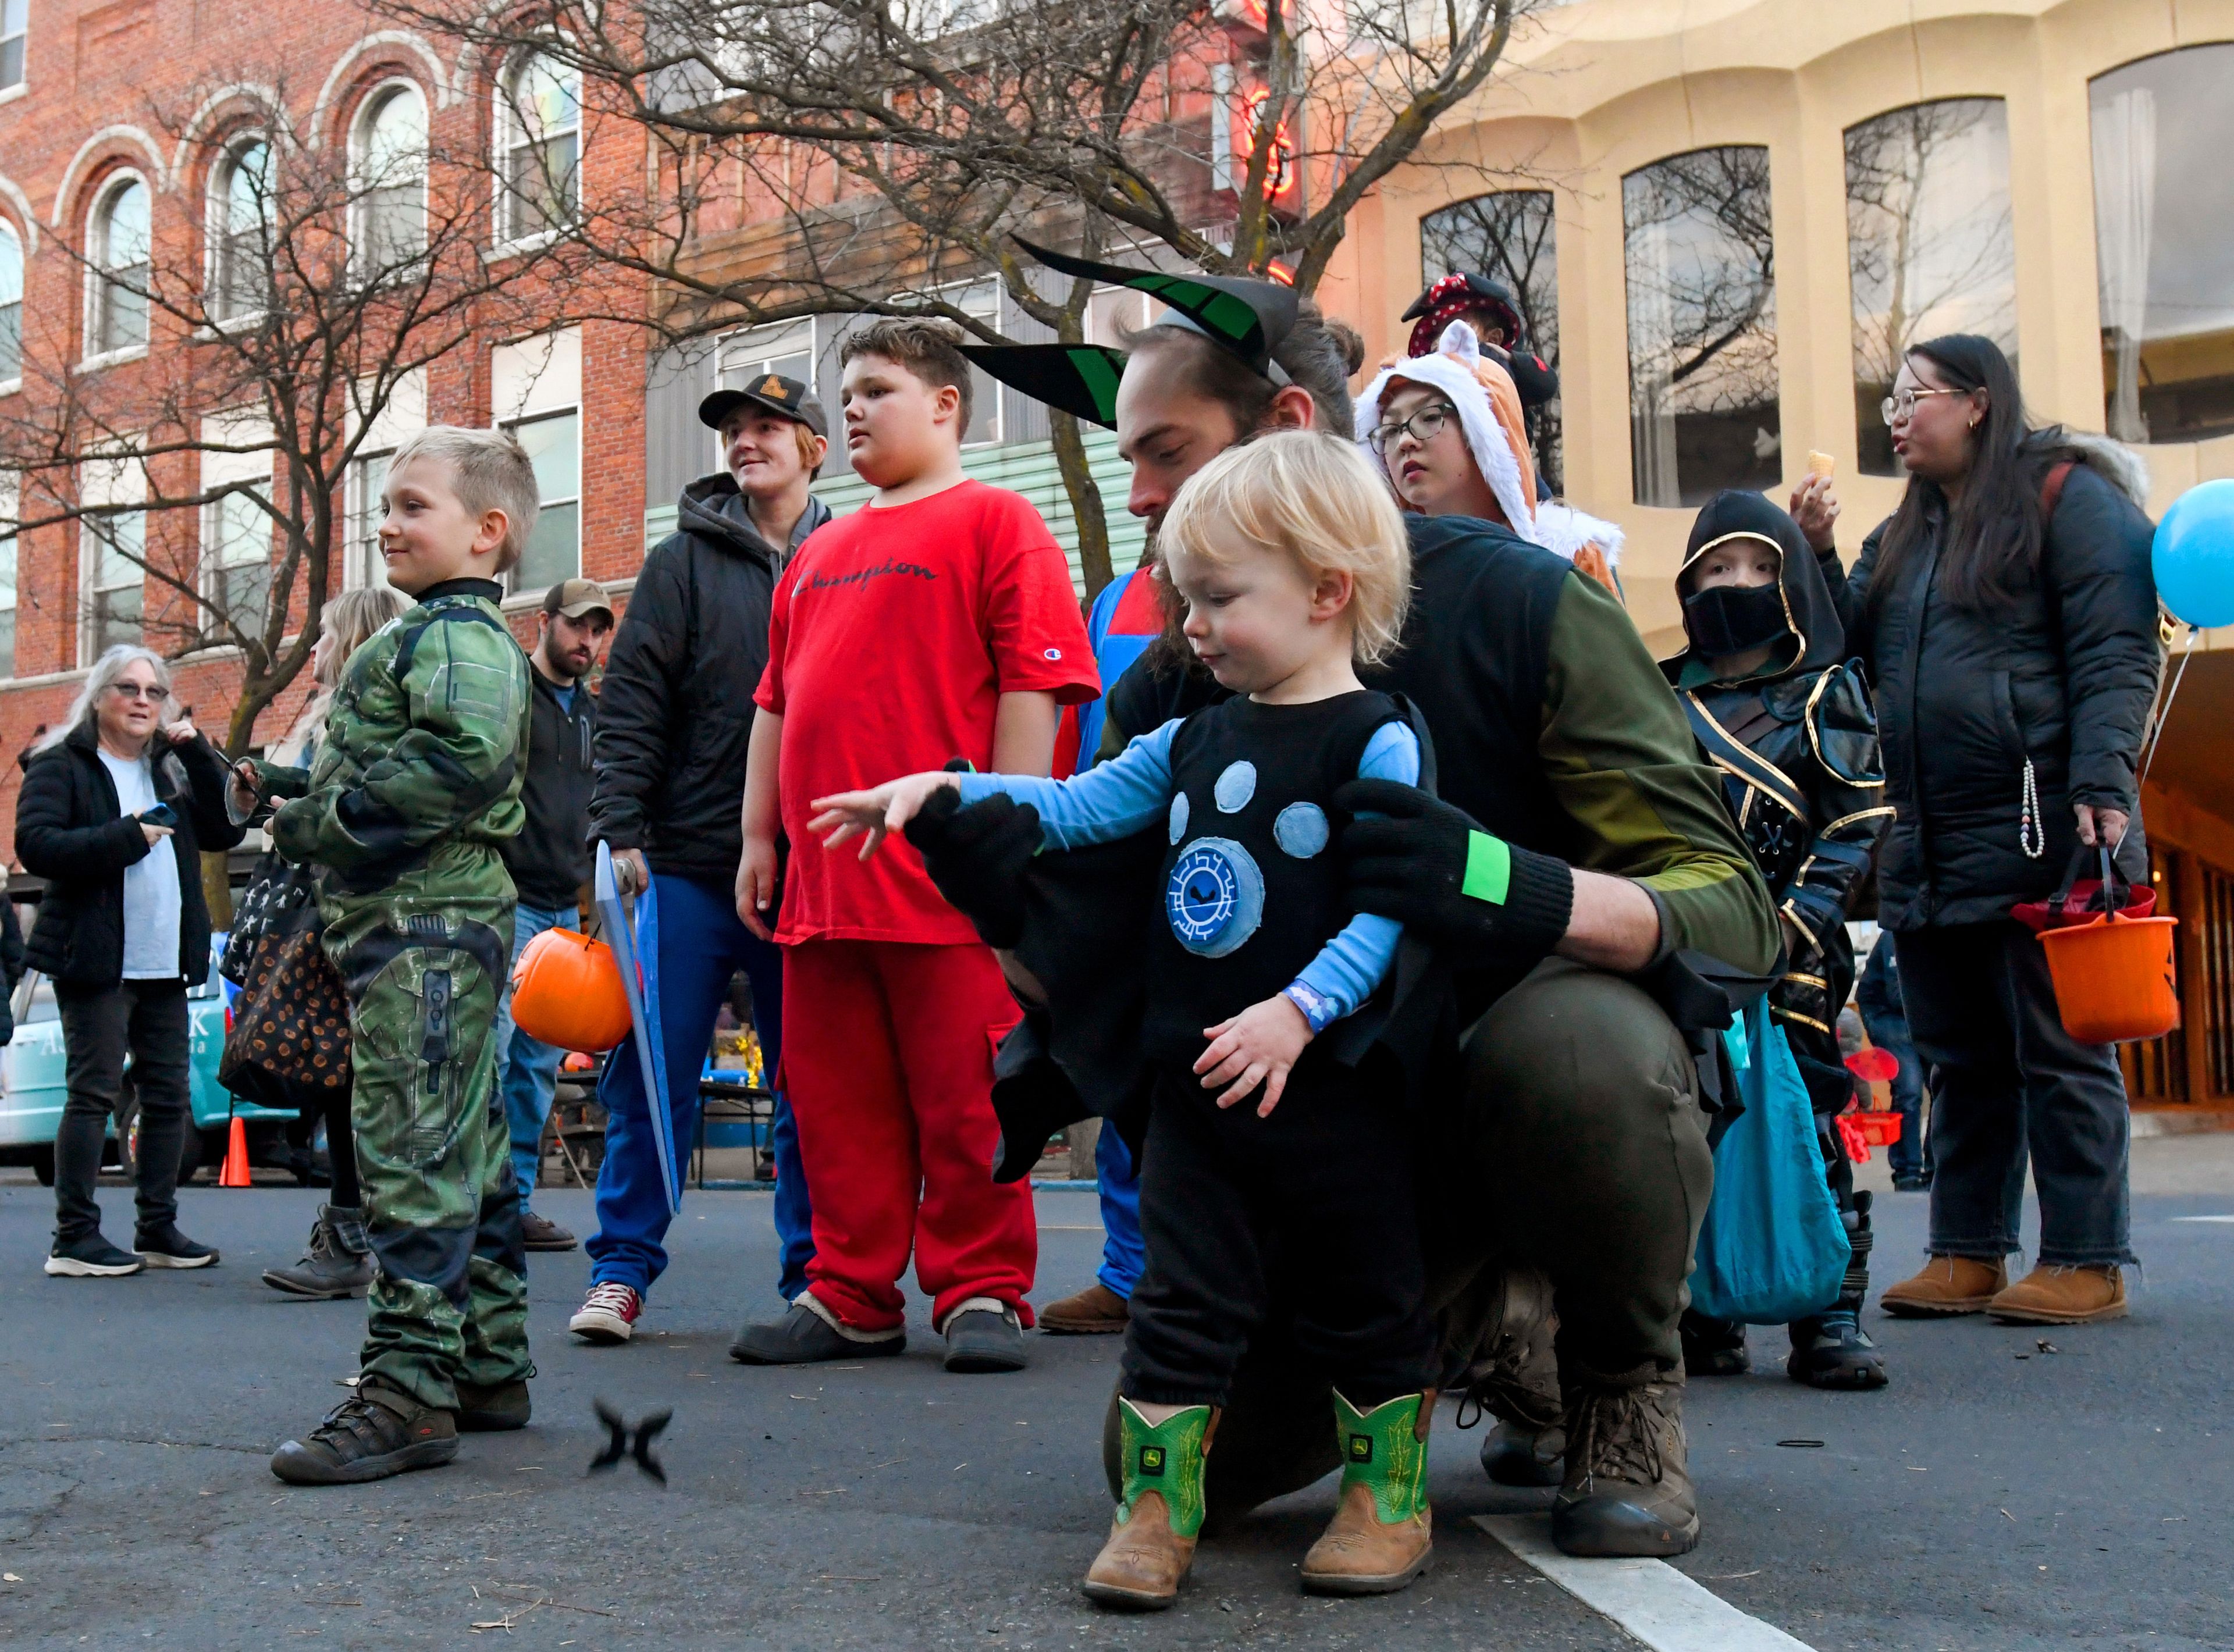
x: 416, y: 788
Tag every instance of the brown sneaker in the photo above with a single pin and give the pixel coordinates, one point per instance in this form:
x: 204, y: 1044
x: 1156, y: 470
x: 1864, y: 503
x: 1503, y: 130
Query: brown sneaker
x: 541, y: 1233
x: 2059, y: 1296
x: 1627, y: 1492
x: 1946, y: 1285
x: 1382, y: 1535
x: 1095, y: 1311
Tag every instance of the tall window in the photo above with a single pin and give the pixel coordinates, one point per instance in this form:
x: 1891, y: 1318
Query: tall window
x: 119, y: 247
x: 10, y: 513
x: 113, y: 551
x: 365, y: 506
x: 535, y: 391
x: 11, y: 307
x: 1702, y: 272
x: 14, y: 24
x: 539, y: 132
x: 390, y: 188
x: 237, y: 529
x: 1508, y: 236
x: 240, y: 231
x: 1929, y: 241
x: 2163, y: 237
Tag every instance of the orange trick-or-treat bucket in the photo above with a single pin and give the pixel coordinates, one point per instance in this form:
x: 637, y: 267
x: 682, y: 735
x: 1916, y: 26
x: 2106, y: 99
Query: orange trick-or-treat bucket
x: 566, y: 990
x: 2113, y: 978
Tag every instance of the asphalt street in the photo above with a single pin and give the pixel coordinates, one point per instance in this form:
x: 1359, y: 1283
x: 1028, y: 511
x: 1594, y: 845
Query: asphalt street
x: 1999, y: 1495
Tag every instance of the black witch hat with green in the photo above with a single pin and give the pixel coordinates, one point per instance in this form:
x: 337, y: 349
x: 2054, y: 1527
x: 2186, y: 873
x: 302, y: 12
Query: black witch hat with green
x: 1248, y: 319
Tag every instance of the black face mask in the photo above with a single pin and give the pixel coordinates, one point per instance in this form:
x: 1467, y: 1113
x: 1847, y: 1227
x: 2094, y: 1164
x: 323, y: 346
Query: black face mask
x: 1735, y: 619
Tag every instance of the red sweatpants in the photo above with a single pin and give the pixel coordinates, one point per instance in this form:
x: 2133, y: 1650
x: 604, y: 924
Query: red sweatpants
x: 888, y: 1060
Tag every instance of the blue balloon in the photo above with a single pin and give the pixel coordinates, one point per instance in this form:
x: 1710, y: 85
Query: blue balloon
x: 2194, y: 555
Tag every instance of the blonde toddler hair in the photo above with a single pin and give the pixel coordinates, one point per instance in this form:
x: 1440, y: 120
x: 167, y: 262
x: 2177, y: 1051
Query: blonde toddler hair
x: 489, y: 471
x: 1315, y: 497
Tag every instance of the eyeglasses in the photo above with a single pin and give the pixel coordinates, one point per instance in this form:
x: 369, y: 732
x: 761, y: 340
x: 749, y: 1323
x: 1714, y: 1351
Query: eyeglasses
x: 1904, y: 405
x: 138, y: 690
x: 1422, y: 426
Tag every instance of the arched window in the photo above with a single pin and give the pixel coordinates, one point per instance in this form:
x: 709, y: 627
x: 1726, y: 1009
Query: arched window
x: 240, y: 231
x: 120, y: 247
x: 1702, y: 272
x: 11, y: 305
x: 1929, y: 245
x: 391, y: 187
x: 2163, y: 238
x: 538, y: 146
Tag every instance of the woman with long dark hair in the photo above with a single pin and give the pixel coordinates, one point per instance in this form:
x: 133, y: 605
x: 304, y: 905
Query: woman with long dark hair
x: 2008, y: 622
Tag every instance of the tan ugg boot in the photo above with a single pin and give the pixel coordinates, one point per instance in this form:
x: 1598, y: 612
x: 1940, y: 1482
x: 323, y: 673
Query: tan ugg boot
x: 2059, y: 1296
x: 1152, y: 1541
x: 1945, y: 1286
x: 1381, y: 1534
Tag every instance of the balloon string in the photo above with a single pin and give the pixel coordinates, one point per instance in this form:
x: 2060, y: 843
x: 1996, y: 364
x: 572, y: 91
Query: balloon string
x: 2164, y: 712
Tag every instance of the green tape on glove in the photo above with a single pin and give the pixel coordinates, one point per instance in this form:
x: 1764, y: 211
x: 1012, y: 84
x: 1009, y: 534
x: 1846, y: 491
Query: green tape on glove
x: 1488, y: 868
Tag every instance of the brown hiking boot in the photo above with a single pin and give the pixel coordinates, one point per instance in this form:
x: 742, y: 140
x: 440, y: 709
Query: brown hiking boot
x: 1628, y: 1491
x: 1160, y: 1515
x: 2058, y: 1296
x: 377, y: 1432
x: 1946, y: 1285
x: 1382, y: 1533
x: 1095, y: 1311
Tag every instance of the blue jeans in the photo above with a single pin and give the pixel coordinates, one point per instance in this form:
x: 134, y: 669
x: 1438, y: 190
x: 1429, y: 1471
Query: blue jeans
x: 1123, y: 1251
x: 701, y: 945
x: 526, y: 1068
x: 1878, y: 996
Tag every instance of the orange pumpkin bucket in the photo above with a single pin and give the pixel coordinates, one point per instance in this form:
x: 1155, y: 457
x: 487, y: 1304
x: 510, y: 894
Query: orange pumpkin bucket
x: 566, y: 990
x: 2114, y: 978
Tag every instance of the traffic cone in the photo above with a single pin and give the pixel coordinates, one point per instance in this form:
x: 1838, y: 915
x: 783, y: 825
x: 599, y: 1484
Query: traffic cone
x: 235, y: 1174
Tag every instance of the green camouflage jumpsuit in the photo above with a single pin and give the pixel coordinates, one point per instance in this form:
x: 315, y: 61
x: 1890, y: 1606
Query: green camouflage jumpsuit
x: 416, y: 784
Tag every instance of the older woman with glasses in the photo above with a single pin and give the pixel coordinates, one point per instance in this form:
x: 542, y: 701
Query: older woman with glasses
x: 118, y: 802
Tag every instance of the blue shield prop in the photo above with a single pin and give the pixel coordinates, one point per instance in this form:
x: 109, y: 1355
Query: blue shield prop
x: 636, y: 948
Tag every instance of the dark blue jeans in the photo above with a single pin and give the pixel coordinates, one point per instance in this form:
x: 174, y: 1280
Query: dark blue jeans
x: 2007, y: 1084
x: 702, y: 944
x: 1878, y: 996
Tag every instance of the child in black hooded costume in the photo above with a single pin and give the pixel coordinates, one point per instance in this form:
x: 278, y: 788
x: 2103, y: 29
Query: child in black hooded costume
x: 1793, y: 730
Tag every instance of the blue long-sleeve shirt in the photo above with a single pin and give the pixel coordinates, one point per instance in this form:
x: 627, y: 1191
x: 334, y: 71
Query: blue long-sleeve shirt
x: 1132, y: 792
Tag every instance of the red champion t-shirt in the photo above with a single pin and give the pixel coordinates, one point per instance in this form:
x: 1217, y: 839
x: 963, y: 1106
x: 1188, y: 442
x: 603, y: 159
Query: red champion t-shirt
x: 893, y: 635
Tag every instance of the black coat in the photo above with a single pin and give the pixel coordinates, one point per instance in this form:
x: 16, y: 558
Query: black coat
x: 2063, y: 680
x: 70, y: 831
x: 549, y: 859
x: 674, y: 716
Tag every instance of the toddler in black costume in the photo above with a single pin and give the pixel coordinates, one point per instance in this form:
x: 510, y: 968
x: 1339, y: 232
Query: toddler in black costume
x: 1292, y: 566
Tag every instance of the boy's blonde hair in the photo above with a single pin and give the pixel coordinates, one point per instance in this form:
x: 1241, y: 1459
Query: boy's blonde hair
x: 1314, y: 497
x: 489, y: 471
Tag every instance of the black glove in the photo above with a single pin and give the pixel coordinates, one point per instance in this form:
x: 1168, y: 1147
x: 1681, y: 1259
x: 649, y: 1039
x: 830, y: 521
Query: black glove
x: 976, y: 857
x: 1416, y: 858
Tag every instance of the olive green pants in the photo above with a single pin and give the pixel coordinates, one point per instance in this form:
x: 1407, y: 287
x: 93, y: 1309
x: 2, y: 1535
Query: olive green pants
x: 448, y: 1302
x: 1574, y: 1144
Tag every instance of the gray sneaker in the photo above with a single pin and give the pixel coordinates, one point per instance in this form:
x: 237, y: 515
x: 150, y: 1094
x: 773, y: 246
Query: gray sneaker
x: 984, y: 1340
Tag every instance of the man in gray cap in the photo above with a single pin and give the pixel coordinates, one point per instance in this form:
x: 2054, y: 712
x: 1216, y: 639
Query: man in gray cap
x: 550, y: 858
x: 674, y: 721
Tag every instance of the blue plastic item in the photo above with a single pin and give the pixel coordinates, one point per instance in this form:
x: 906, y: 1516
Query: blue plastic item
x: 1772, y: 1249
x: 2193, y: 560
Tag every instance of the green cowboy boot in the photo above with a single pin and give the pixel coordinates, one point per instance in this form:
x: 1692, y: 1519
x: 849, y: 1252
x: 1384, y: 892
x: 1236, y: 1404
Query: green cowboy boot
x: 1152, y: 1540
x: 1382, y: 1535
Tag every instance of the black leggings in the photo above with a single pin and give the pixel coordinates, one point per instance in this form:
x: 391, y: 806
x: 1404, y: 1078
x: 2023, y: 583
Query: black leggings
x: 332, y: 1106
x: 1318, y: 1196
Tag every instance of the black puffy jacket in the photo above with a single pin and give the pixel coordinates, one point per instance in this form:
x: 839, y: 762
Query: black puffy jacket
x: 2063, y: 681
x: 675, y: 712
x: 71, y: 831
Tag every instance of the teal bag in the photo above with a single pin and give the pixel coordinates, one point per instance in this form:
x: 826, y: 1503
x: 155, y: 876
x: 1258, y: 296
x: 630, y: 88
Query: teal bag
x: 1772, y: 1249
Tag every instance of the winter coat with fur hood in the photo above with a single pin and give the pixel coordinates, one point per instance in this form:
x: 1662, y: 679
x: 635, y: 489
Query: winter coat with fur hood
x: 2056, y: 685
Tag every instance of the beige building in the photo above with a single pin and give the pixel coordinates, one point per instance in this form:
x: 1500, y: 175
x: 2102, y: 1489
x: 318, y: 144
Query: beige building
x: 1727, y: 218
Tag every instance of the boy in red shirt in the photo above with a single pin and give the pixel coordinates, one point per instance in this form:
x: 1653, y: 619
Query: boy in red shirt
x: 937, y: 622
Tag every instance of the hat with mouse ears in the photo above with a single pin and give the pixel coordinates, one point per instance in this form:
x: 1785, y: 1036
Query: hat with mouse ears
x: 1247, y: 319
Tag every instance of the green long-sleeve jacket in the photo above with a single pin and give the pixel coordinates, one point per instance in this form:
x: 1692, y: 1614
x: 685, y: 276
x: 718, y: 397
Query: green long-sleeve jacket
x: 1554, y: 728
x: 418, y: 779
